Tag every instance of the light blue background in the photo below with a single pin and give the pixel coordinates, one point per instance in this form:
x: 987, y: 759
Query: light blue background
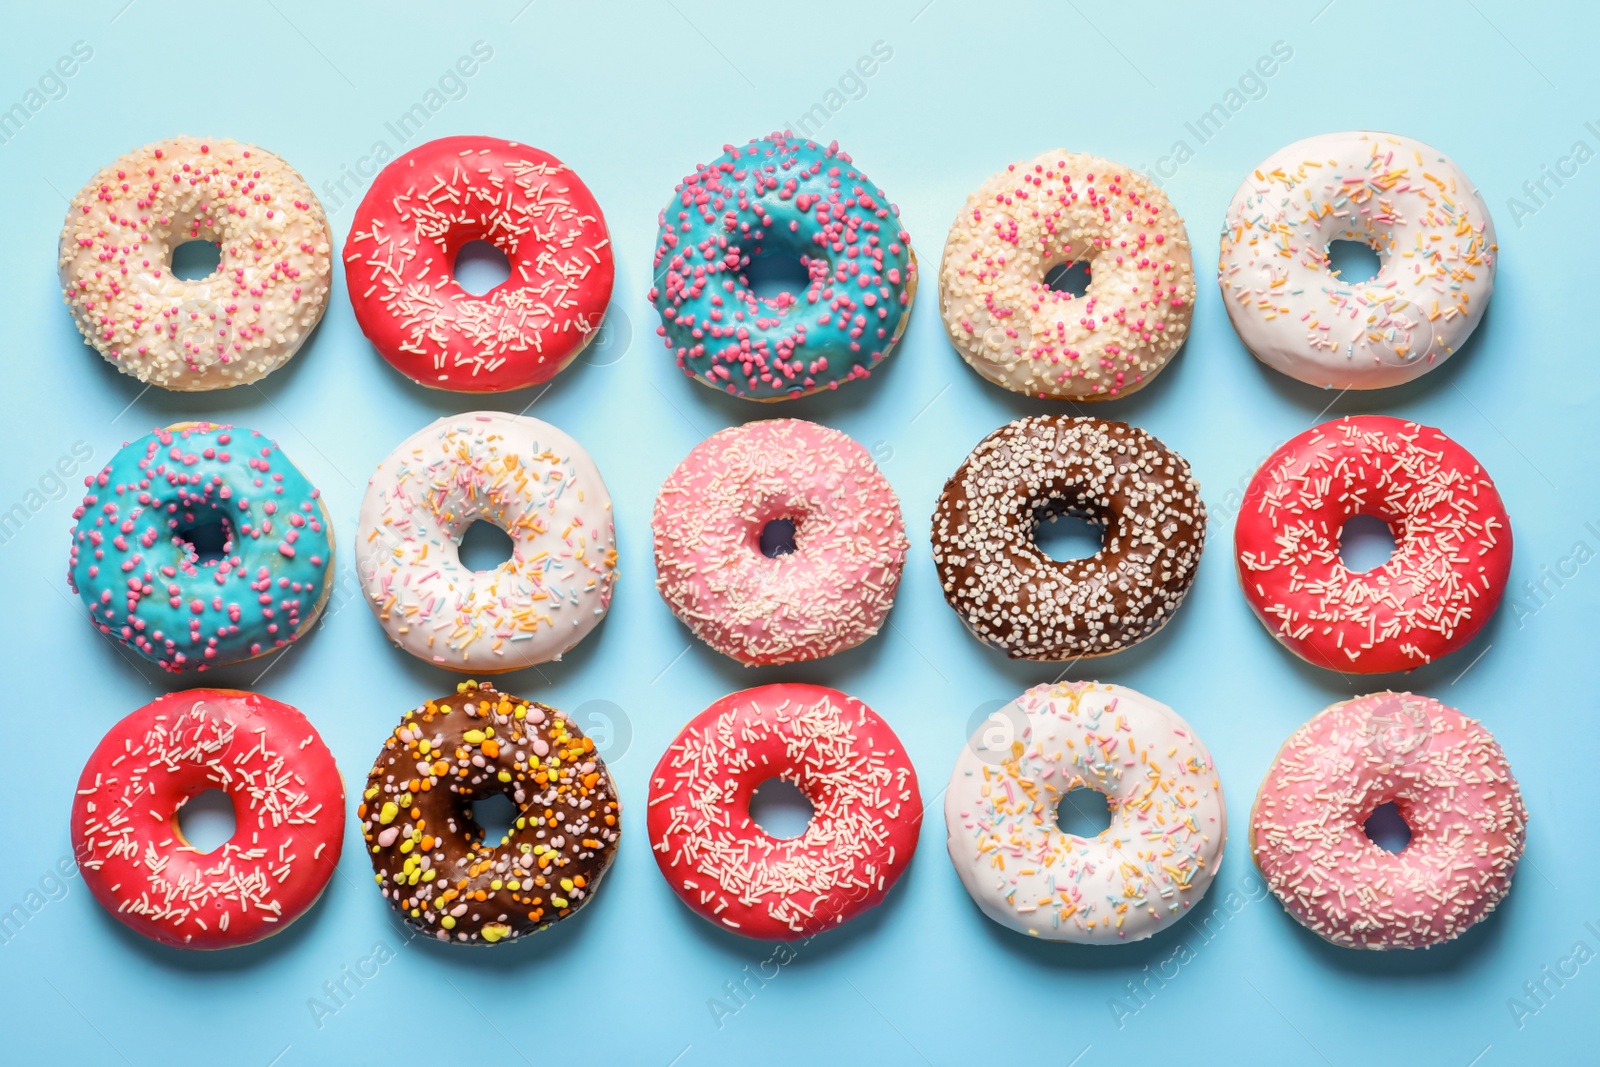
x: 633, y: 96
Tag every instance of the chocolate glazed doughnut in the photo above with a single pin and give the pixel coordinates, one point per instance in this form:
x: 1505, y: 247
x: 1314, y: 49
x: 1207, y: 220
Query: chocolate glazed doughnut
x: 432, y: 860
x: 1014, y: 597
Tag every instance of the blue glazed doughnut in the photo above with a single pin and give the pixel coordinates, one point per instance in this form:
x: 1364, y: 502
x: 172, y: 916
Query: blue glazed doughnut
x: 145, y: 583
x: 783, y: 197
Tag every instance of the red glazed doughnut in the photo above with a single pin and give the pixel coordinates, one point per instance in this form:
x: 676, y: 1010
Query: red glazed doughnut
x: 847, y: 762
x: 287, y: 797
x: 1452, y: 545
x: 401, y: 253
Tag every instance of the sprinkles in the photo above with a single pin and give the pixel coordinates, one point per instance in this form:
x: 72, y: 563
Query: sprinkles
x: 1064, y: 208
x: 1452, y: 554
x: 850, y: 766
x: 1141, y: 874
x: 1411, y: 204
x: 1014, y: 597
x: 431, y: 859
x: 234, y: 327
x: 1451, y: 783
x: 782, y: 197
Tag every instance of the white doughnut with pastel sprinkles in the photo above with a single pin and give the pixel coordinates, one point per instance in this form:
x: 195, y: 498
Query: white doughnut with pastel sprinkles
x: 1140, y: 875
x: 522, y: 475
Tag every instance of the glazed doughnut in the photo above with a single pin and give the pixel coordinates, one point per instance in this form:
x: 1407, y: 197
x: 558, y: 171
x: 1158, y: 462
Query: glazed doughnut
x: 831, y: 593
x: 1062, y: 208
x: 288, y: 804
x: 782, y: 197
x: 135, y: 567
x: 1014, y: 597
x: 847, y: 762
x: 234, y: 327
x: 431, y: 859
x: 1412, y: 205
x: 401, y: 253
x: 1452, y: 553
x: 1451, y: 783
x: 524, y: 476
x: 1136, y: 878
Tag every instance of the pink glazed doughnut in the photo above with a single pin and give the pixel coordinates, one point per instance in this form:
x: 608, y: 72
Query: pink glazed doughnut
x: 831, y: 593
x: 1449, y: 780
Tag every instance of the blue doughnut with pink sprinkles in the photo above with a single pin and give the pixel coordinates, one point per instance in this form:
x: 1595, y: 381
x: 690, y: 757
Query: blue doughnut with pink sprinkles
x: 781, y: 196
x: 137, y: 567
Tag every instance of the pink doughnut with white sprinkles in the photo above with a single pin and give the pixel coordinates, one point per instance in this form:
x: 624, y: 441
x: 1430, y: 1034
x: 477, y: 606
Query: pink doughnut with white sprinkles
x: 830, y: 593
x: 288, y: 802
x: 1450, y: 782
x: 850, y: 766
x: 1452, y: 553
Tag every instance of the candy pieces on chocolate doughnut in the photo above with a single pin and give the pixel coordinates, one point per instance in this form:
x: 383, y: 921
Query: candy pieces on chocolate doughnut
x: 433, y: 862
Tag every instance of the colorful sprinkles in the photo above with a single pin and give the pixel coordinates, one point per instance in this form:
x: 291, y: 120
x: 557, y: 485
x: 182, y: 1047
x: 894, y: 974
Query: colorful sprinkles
x: 1143, y: 872
x: 1407, y: 201
x: 433, y: 862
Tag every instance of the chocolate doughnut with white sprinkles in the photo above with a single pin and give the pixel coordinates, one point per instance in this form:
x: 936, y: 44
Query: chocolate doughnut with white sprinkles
x: 431, y: 858
x: 1014, y: 597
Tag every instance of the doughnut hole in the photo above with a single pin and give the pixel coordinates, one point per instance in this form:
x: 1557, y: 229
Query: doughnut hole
x: 206, y: 821
x: 484, y: 546
x: 1353, y: 262
x: 1366, y: 543
x: 1083, y: 812
x: 780, y: 809
x: 778, y: 279
x: 1069, y: 279
x: 1067, y: 533
x: 496, y: 815
x: 481, y: 267
x: 1387, y: 828
x: 778, y: 538
x: 195, y: 260
x: 206, y: 538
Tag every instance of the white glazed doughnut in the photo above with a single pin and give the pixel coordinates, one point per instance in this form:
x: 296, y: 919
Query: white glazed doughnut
x: 234, y: 327
x: 1412, y: 205
x: 1143, y: 872
x: 1065, y: 207
x: 524, y: 476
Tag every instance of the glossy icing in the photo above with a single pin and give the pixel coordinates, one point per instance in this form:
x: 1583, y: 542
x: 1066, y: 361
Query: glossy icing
x: 288, y: 802
x: 1452, y: 554
x: 1061, y: 208
x: 790, y: 198
x: 401, y: 253
x: 524, y: 476
x: 831, y: 593
x: 231, y: 328
x: 146, y: 586
x: 850, y: 766
x: 1411, y: 204
x: 1014, y: 597
x: 432, y: 861
x: 1143, y: 873
x: 1451, y: 783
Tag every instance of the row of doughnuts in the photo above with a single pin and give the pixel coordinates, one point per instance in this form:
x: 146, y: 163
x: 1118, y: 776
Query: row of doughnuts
x: 778, y: 197
x: 137, y: 564
x: 453, y: 882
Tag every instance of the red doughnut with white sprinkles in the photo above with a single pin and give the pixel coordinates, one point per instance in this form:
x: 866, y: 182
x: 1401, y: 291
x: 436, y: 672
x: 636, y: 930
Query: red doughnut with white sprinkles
x: 401, y: 253
x: 288, y: 802
x: 1452, y: 551
x: 846, y: 761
